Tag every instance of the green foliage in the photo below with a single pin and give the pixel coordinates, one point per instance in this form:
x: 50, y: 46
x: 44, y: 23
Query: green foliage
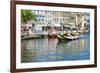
x: 27, y: 15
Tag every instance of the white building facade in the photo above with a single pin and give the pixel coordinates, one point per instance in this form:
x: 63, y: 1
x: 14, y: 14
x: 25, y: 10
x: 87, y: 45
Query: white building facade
x: 59, y: 19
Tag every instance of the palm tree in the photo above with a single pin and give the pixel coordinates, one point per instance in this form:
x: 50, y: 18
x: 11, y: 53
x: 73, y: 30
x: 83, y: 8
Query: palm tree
x: 27, y: 15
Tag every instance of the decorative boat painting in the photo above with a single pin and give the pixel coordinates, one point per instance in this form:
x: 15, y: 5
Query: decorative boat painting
x: 48, y: 35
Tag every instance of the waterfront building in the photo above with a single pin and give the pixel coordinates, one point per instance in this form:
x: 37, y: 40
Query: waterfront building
x: 61, y: 20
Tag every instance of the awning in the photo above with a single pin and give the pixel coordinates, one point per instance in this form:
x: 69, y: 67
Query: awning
x: 57, y: 25
x: 27, y: 25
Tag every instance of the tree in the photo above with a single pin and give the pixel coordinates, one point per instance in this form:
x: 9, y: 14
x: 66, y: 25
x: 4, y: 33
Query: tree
x: 27, y: 15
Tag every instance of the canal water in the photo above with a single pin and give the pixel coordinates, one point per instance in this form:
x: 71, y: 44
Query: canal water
x: 51, y: 49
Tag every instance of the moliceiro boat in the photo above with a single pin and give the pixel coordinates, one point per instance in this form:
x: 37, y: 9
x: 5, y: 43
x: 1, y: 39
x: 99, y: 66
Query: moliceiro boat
x: 52, y: 33
x: 68, y: 36
x: 72, y: 37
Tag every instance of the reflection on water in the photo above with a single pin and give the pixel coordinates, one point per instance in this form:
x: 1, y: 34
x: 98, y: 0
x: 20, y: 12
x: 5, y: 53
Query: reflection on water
x: 44, y: 49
